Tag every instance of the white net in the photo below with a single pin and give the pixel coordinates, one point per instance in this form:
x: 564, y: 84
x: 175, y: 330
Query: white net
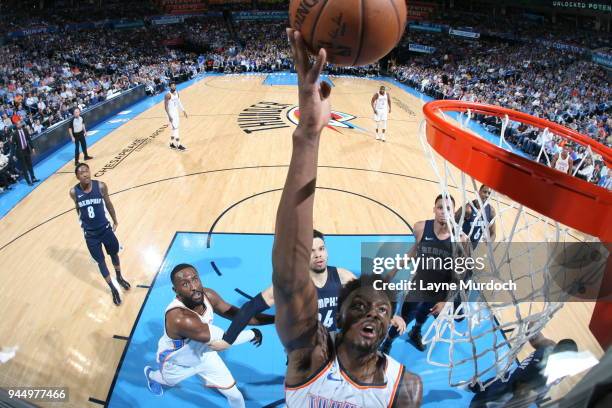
x: 479, y: 340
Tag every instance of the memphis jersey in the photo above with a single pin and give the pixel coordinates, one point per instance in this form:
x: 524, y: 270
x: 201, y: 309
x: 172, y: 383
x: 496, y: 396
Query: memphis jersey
x: 433, y: 252
x: 184, y: 352
x: 91, y: 208
x: 382, y: 102
x: 332, y: 387
x: 328, y: 299
x: 474, y: 227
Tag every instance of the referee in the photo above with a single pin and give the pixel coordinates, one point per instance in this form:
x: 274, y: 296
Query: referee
x: 77, y: 134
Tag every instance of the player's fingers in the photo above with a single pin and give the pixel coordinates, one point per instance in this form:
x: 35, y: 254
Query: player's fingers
x: 317, y: 68
x: 302, y: 53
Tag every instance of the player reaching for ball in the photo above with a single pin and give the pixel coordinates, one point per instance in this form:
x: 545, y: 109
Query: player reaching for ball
x: 344, y: 368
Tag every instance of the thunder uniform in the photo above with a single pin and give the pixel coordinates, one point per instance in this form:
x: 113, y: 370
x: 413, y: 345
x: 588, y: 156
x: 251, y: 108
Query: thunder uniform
x: 96, y: 227
x: 328, y: 299
x: 381, y: 106
x: 562, y: 165
x: 331, y: 386
x: 181, y: 359
x: 173, y: 109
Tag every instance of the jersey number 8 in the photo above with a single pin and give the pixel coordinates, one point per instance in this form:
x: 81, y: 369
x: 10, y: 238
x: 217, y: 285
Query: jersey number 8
x: 91, y: 212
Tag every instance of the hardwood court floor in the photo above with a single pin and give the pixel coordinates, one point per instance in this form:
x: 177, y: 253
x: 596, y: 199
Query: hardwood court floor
x: 56, y: 306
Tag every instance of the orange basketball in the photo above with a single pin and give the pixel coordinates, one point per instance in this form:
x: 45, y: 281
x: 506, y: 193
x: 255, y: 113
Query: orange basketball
x: 354, y: 32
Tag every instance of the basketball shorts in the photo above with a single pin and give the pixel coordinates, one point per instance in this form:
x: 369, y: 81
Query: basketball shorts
x: 211, y: 369
x: 381, y: 114
x: 174, y: 121
x: 96, y: 240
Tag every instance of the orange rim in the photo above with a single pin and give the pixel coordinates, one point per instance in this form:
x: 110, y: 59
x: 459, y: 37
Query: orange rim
x: 567, y: 199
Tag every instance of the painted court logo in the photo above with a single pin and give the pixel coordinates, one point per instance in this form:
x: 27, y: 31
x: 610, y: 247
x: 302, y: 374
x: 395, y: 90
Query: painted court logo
x: 273, y: 115
x: 339, y: 120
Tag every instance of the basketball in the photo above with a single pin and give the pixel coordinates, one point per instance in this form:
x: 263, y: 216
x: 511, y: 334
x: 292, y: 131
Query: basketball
x: 354, y: 32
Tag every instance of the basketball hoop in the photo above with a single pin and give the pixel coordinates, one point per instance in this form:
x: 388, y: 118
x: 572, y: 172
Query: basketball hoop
x: 533, y: 203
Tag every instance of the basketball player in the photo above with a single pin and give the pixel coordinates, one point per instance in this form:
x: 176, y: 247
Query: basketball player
x: 563, y: 162
x: 527, y: 379
x: 172, y: 104
x: 433, y: 240
x: 474, y: 227
x: 343, y: 368
x: 184, y: 349
x: 381, y: 104
x: 91, y: 199
x: 328, y: 280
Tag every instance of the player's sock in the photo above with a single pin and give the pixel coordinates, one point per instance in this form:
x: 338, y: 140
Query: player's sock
x: 234, y: 396
x: 246, y: 312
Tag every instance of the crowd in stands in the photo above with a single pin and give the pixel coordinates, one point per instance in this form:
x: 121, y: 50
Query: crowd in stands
x: 558, y: 85
x: 43, y: 77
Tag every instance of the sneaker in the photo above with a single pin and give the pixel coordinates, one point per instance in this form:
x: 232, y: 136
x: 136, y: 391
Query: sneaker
x: 181, y: 148
x: 172, y: 146
x: 116, y: 297
x: 35, y: 180
x: 415, y: 338
x: 88, y: 157
x: 377, y: 137
x: 124, y: 284
x: 152, y: 385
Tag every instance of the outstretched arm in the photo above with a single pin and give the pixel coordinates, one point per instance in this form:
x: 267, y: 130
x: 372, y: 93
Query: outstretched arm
x: 222, y: 308
x: 294, y: 293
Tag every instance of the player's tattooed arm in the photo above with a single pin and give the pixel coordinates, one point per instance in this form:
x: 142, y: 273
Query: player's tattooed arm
x: 229, y: 311
x: 109, y: 204
x: 181, y: 323
x: 410, y: 393
x: 76, y: 205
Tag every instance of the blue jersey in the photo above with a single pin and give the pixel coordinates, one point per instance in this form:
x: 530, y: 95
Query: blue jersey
x: 470, y: 222
x: 433, y: 252
x: 328, y: 299
x: 91, y: 208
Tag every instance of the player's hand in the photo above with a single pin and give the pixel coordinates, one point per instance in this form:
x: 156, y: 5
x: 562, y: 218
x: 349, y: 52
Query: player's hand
x: 185, y: 113
x: 115, y: 225
x: 399, y: 324
x: 437, y: 308
x: 258, y: 337
x: 219, y: 345
x: 313, y: 94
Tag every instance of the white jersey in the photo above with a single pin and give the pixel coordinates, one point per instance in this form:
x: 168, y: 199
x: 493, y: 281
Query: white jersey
x: 174, y: 104
x: 382, y: 102
x: 183, y: 352
x: 562, y: 165
x: 333, y: 387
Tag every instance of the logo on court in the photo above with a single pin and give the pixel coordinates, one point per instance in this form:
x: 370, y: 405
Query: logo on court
x: 339, y: 120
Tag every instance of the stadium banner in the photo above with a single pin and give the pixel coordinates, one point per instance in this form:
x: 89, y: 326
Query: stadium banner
x: 32, y: 31
x: 425, y: 49
x: 79, y: 26
x: 605, y: 6
x: 123, y: 25
x: 603, y: 57
x: 464, y: 33
x: 558, y: 45
x: 422, y: 26
x: 163, y: 20
x: 421, y: 10
x: 260, y: 15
